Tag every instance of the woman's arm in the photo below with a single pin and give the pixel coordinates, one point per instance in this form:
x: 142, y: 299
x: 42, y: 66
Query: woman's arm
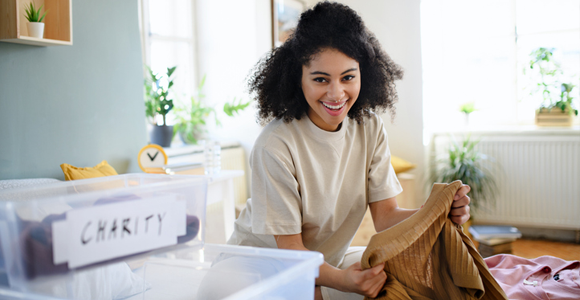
x: 353, y: 279
x: 386, y: 213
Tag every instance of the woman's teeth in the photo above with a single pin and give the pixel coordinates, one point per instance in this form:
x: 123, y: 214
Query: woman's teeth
x: 334, y: 107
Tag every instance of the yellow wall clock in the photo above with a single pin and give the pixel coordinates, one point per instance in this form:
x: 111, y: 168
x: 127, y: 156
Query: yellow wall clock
x: 152, y: 159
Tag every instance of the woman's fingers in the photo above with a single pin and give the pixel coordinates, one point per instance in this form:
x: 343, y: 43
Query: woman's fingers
x: 460, y: 215
x: 463, y: 201
x: 460, y: 219
x: 376, y: 282
x: 462, y: 191
x: 367, y: 282
x: 460, y: 209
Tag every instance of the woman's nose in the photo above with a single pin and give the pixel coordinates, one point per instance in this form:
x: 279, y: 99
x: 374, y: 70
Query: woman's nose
x: 335, y: 91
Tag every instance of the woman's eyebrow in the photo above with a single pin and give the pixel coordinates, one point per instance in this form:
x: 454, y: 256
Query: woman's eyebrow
x: 349, y: 70
x: 319, y: 73
x: 326, y: 74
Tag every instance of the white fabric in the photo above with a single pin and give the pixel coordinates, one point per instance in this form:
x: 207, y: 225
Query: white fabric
x: 317, y: 183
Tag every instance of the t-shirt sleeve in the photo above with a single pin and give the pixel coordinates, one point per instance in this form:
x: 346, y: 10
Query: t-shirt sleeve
x: 276, y: 200
x: 383, y: 182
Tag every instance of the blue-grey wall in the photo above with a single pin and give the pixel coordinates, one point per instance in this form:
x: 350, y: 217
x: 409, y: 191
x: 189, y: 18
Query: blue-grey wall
x: 78, y: 104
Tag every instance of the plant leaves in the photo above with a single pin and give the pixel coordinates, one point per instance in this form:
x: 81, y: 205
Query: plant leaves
x: 463, y: 162
x: 157, y: 94
x: 232, y: 108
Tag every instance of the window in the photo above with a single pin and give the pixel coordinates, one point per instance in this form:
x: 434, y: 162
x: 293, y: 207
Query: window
x: 475, y: 51
x: 168, y: 36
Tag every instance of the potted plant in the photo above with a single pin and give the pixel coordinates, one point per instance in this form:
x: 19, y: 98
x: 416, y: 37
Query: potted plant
x: 35, y: 25
x: 557, y: 107
x: 158, y: 103
x: 463, y: 162
x: 191, y: 117
x: 467, y: 108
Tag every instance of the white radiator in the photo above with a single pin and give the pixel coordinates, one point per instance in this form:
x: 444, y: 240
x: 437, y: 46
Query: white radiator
x: 538, y: 177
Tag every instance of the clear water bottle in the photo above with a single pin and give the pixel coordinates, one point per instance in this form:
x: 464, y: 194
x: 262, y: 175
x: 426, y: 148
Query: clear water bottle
x: 212, y: 157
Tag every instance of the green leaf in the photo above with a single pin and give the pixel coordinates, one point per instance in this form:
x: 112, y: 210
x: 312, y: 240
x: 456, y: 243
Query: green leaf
x: 467, y: 108
x: 30, y: 13
x: 232, y: 108
x: 170, y: 71
x: 201, y: 84
x: 44, y: 15
x: 157, y: 94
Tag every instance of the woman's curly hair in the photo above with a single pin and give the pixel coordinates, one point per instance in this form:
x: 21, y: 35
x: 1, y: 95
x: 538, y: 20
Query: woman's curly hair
x: 276, y: 79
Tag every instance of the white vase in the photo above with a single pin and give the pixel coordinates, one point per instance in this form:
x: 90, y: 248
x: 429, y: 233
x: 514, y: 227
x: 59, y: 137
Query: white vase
x: 36, y: 29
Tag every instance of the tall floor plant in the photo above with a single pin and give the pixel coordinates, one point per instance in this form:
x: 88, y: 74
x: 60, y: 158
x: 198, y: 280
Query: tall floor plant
x: 464, y: 162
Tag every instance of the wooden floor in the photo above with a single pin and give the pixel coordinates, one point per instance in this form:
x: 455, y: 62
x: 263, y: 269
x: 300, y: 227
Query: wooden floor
x: 535, y: 248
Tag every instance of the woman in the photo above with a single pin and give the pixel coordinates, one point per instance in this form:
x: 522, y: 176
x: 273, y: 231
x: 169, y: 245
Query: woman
x: 324, y: 157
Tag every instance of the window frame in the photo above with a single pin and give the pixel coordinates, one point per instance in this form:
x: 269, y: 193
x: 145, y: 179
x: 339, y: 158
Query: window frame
x: 147, y: 38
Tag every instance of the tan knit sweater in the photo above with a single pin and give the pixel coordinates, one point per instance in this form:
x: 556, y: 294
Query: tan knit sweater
x: 429, y: 257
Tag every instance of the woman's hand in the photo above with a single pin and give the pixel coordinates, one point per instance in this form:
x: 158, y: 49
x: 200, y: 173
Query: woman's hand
x: 367, y: 282
x: 459, y: 213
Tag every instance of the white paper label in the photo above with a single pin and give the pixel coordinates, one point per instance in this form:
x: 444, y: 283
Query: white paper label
x: 94, y: 234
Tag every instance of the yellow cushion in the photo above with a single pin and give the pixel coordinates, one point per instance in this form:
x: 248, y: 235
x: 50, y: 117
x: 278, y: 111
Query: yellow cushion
x: 400, y: 165
x: 101, y: 170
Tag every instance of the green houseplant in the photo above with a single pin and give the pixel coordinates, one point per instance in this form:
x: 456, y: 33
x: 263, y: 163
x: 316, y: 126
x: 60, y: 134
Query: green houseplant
x: 191, y: 117
x: 467, y: 108
x: 557, y: 106
x: 463, y: 162
x: 158, y: 104
x: 566, y: 98
x: 35, y: 25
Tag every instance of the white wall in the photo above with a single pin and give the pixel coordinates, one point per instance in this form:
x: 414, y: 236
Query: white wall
x: 232, y: 40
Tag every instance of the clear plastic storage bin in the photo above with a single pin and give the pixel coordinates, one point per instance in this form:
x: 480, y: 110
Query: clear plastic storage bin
x: 215, y: 272
x: 57, y: 234
x: 230, y: 272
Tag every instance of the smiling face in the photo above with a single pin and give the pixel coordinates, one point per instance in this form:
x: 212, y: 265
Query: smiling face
x: 331, y: 85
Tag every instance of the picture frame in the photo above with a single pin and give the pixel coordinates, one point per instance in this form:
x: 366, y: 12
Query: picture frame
x: 285, y: 15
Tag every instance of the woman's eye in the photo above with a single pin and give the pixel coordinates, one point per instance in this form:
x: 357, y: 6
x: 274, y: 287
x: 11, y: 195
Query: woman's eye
x: 319, y: 79
x: 347, y: 77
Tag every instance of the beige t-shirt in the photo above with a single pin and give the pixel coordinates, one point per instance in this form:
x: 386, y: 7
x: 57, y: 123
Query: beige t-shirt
x: 318, y: 183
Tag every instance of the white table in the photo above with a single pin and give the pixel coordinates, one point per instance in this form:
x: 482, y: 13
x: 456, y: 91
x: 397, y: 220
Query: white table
x: 220, y: 211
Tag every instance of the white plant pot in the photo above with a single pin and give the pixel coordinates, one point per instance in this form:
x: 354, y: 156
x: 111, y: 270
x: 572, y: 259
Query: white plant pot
x: 36, y: 29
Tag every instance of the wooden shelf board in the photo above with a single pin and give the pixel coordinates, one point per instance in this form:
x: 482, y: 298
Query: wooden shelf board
x: 27, y: 40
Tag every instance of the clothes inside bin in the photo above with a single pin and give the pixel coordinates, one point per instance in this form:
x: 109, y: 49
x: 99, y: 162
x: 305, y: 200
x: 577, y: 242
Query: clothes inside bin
x: 37, y: 244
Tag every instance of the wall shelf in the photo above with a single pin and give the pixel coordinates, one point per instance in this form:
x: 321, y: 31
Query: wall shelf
x: 57, y: 23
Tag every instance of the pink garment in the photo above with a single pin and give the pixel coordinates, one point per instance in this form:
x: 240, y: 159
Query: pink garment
x: 545, y: 277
